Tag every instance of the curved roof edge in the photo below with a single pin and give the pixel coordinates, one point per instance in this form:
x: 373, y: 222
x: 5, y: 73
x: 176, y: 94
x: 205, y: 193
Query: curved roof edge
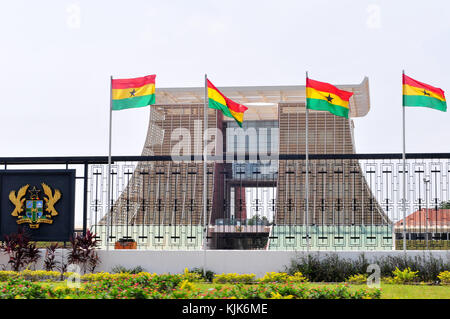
x: 359, y: 102
x: 360, y: 105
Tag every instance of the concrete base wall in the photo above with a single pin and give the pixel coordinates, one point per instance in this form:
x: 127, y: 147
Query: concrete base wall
x: 221, y: 261
x: 229, y: 261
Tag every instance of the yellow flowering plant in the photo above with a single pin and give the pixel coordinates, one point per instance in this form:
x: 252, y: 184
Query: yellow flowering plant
x: 233, y: 278
x: 191, y: 276
x: 444, y: 277
x: 282, y: 277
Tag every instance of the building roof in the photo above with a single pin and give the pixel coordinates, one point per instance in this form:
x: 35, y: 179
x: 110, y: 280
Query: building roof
x: 441, y: 217
x: 263, y: 101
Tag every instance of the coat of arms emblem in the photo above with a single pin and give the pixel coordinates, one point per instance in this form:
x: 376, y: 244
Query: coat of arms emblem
x: 34, y: 209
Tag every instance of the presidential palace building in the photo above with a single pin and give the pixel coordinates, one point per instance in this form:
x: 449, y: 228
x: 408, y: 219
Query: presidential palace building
x: 252, y: 203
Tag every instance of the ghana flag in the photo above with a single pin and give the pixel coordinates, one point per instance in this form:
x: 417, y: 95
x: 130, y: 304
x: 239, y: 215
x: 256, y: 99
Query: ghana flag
x: 416, y: 93
x: 218, y: 101
x: 131, y: 93
x: 326, y: 97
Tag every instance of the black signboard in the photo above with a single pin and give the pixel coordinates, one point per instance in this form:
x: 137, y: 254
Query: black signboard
x: 42, y: 202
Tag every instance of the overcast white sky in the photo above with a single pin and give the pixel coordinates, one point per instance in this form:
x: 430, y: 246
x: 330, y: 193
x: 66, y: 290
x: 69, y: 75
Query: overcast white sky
x: 56, y: 58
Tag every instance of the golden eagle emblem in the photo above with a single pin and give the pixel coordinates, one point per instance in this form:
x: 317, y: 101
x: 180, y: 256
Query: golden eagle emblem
x: 18, y: 200
x: 52, y: 199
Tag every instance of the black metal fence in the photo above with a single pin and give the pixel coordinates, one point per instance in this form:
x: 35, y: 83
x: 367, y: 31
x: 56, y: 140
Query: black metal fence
x: 355, y: 201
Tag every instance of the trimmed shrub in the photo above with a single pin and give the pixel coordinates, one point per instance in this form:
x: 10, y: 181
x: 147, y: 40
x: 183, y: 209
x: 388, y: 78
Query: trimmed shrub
x: 282, y: 277
x: 233, y: 278
x: 298, y: 277
x: 99, y: 276
x: 31, y: 275
x: 208, y: 275
x: 39, y: 275
x: 275, y: 277
x: 358, y: 279
x: 122, y: 269
x: 191, y: 276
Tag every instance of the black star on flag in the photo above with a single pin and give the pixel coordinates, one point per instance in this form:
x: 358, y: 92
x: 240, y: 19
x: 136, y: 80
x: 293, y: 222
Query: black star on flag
x: 132, y: 93
x: 329, y: 98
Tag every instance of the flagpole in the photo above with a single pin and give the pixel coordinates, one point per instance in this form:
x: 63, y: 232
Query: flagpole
x: 205, y: 176
x: 108, y: 196
x: 307, y: 173
x: 404, y: 174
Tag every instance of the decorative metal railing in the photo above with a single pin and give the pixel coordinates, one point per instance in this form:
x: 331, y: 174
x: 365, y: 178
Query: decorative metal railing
x: 355, y: 201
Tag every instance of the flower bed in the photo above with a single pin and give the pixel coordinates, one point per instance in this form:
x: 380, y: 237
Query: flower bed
x: 169, y: 287
x: 176, y: 286
x: 29, y: 284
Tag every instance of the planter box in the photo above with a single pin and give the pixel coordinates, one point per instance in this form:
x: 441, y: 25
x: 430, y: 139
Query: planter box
x: 125, y: 245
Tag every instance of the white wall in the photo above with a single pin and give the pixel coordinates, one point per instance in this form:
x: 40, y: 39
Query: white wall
x: 220, y: 261
x: 226, y: 261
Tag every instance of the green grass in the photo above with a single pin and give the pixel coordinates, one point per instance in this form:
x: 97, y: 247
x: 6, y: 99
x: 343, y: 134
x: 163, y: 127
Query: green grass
x: 393, y: 291
x: 414, y: 292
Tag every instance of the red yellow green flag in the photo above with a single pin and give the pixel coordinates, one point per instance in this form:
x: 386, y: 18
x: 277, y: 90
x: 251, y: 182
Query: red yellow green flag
x: 132, y: 93
x: 326, y: 97
x: 416, y: 93
x: 218, y: 101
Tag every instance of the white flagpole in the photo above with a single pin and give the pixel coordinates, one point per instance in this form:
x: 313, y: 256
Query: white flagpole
x: 307, y: 173
x: 404, y: 175
x: 108, y: 196
x: 205, y: 176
